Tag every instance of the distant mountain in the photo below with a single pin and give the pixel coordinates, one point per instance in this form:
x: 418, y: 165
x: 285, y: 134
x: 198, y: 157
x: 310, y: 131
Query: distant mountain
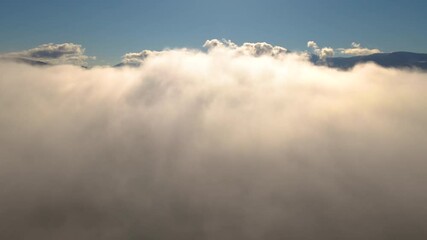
x: 28, y: 61
x: 388, y: 60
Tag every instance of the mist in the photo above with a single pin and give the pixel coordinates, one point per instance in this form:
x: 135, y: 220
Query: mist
x: 212, y: 145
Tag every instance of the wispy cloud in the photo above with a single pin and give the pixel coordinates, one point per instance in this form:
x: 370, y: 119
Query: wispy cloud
x: 357, y: 50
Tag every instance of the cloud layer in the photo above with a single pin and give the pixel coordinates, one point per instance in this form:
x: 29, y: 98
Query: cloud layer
x: 214, y: 145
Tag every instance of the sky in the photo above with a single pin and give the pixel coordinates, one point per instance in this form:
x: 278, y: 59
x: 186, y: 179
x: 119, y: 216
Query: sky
x: 108, y: 29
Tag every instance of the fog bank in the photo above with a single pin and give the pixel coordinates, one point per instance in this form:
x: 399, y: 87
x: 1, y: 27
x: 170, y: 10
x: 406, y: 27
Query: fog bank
x: 217, y: 145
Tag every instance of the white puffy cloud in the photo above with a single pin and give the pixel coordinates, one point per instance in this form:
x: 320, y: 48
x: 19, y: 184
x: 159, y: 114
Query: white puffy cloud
x: 312, y: 44
x: 213, y: 43
x: 65, y: 53
x: 358, y: 50
x: 321, y: 52
x: 327, y: 52
x: 196, y: 145
x: 138, y: 57
x: 262, y: 48
x: 254, y: 49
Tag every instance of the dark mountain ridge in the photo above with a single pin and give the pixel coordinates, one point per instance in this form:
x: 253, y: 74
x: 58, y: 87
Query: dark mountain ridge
x: 387, y: 60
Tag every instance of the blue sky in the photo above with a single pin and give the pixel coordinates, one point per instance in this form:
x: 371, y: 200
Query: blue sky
x: 108, y: 29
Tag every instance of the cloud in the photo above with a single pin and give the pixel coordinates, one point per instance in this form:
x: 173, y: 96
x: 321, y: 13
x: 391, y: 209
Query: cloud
x: 138, y: 57
x: 65, y: 53
x: 326, y: 52
x: 358, y: 50
x: 254, y: 49
x: 212, y: 145
x: 214, y: 43
x: 321, y: 52
x: 312, y: 44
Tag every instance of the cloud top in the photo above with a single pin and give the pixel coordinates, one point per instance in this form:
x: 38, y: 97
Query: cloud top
x: 254, y: 49
x: 321, y: 52
x: 138, y: 57
x: 74, y: 54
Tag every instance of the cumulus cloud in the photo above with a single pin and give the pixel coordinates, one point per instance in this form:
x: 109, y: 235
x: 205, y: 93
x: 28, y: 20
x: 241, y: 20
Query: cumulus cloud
x: 357, y: 50
x: 254, y: 49
x: 195, y: 145
x: 321, y: 52
x: 65, y: 53
x: 326, y: 52
x: 138, y: 57
x: 214, y: 43
x: 312, y: 44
